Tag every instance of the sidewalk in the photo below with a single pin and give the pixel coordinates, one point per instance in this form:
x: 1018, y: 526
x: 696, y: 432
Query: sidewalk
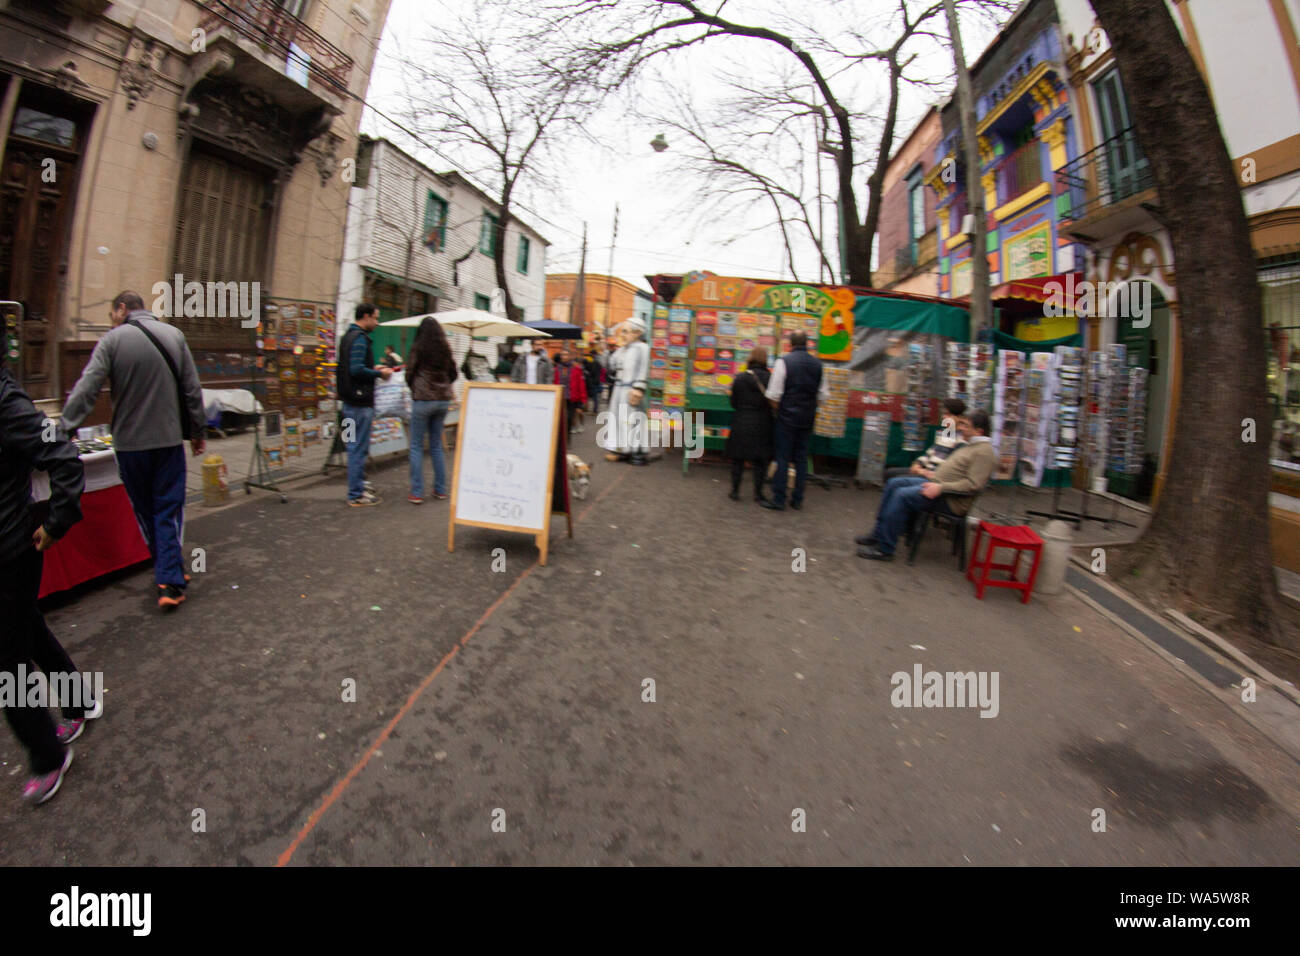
x: 523, y: 691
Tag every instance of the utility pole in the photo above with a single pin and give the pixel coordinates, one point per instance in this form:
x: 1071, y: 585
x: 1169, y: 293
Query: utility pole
x: 578, y: 304
x: 980, y: 307
x: 817, y: 158
x: 609, y: 277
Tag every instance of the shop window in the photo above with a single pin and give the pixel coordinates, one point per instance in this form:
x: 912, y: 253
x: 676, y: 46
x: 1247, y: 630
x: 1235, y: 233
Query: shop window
x: 1280, y: 288
x: 385, y: 295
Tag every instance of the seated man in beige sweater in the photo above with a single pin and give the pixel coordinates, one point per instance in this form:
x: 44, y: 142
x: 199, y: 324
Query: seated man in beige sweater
x: 965, y: 472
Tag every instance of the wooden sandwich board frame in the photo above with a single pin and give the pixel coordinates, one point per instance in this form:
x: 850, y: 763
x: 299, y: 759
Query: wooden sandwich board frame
x: 557, y: 455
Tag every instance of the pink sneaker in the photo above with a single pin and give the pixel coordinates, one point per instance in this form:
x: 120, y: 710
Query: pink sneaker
x: 69, y: 730
x: 39, y: 789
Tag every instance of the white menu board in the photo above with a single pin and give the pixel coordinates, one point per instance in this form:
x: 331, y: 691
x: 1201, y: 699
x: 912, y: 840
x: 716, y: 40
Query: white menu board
x: 505, y: 454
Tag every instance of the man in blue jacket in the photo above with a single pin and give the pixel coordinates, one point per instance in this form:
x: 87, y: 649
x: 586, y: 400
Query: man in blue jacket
x: 797, y: 385
x: 30, y: 441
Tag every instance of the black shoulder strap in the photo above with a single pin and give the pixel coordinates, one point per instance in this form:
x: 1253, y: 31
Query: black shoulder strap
x: 176, y: 376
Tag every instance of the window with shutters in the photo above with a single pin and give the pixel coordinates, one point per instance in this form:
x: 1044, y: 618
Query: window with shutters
x: 435, y: 222
x: 521, y: 261
x: 487, y: 237
x: 222, y: 232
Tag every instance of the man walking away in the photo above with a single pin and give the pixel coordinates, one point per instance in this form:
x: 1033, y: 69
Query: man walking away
x: 355, y: 378
x: 797, y: 385
x: 157, y: 404
x: 24, y: 637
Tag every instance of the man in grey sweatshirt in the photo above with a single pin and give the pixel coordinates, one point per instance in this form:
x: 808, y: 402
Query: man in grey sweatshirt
x: 152, y: 415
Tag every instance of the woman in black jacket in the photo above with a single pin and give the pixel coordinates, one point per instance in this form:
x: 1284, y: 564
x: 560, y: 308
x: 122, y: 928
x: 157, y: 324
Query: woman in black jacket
x: 751, y: 425
x: 27, y: 530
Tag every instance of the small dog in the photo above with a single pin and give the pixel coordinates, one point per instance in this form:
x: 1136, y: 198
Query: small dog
x: 579, y: 476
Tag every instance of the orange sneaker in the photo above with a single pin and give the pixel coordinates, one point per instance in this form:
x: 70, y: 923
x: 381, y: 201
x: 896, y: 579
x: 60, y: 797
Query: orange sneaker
x: 170, y: 596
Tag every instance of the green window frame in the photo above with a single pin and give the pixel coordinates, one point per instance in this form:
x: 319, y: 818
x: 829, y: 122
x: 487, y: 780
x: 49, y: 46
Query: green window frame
x: 487, y: 235
x: 521, y: 259
x: 435, y: 222
x: 482, y: 302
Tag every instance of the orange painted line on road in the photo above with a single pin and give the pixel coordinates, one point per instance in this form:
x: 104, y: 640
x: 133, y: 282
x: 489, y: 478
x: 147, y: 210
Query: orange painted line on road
x: 352, y: 774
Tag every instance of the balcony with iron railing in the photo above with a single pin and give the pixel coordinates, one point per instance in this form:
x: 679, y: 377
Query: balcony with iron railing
x: 1020, y: 171
x: 1103, y: 177
x: 282, y: 36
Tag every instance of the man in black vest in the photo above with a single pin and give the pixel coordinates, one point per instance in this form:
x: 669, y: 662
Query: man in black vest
x: 356, y: 389
x: 796, y: 387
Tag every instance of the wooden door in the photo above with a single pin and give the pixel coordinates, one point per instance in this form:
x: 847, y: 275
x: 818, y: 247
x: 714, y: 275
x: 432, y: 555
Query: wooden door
x: 37, y: 184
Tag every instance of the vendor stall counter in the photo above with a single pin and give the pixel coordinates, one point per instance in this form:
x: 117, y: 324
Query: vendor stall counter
x: 107, y: 538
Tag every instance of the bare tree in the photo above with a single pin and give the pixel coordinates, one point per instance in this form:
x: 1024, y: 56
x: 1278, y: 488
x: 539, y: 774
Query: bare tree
x: 752, y: 153
x: 483, y: 92
x: 647, y: 29
x: 1208, y: 540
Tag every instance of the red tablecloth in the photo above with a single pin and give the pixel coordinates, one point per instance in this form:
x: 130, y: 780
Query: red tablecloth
x: 105, y: 539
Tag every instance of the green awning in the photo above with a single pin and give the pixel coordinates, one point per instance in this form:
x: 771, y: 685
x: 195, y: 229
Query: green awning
x: 412, y: 283
x: 907, y: 315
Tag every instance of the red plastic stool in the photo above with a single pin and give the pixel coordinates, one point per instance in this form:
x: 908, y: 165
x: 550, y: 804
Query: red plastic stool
x: 1016, y: 537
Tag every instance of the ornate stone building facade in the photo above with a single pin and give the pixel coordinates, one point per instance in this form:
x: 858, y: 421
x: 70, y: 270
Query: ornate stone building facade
x: 149, y: 139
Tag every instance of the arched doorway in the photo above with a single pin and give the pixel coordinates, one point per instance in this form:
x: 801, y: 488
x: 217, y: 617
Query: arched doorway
x: 1148, y: 332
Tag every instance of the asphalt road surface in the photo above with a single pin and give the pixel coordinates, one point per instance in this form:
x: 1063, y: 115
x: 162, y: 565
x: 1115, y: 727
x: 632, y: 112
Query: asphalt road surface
x: 501, y: 716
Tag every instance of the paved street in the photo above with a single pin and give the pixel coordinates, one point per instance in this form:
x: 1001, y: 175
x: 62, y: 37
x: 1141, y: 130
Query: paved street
x: 522, y: 691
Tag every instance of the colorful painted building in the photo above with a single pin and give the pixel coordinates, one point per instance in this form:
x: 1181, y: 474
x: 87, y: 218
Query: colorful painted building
x: 908, y: 232
x: 1026, y: 131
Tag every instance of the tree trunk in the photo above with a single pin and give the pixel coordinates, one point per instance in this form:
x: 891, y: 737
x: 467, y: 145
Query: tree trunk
x: 513, y: 313
x: 1210, y: 532
x: 876, y: 182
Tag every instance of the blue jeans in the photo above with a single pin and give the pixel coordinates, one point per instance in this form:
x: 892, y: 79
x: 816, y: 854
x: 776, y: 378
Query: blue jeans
x: 901, y: 501
x: 155, y: 483
x: 359, y: 447
x: 893, y: 486
x: 428, y: 417
x: 789, y: 445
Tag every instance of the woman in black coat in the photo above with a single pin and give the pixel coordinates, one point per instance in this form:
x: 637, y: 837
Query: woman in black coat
x: 751, y: 425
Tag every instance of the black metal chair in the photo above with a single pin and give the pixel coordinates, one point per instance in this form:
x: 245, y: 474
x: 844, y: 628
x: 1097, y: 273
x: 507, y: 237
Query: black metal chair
x: 921, y: 521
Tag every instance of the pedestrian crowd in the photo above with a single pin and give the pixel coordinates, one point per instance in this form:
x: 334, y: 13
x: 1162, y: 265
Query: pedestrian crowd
x: 158, y: 406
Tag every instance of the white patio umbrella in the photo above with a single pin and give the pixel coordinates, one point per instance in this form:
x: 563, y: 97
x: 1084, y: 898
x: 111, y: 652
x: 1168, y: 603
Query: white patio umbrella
x: 472, y: 322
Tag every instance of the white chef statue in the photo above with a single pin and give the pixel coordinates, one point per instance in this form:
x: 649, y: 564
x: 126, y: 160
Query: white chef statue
x: 630, y: 365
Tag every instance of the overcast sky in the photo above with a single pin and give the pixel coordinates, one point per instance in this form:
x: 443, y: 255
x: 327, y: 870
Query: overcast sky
x: 662, y: 226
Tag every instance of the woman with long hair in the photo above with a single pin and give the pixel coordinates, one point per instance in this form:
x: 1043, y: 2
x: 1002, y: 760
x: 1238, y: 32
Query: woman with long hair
x: 430, y: 374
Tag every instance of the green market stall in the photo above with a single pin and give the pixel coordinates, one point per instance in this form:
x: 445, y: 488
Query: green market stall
x: 702, y: 339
